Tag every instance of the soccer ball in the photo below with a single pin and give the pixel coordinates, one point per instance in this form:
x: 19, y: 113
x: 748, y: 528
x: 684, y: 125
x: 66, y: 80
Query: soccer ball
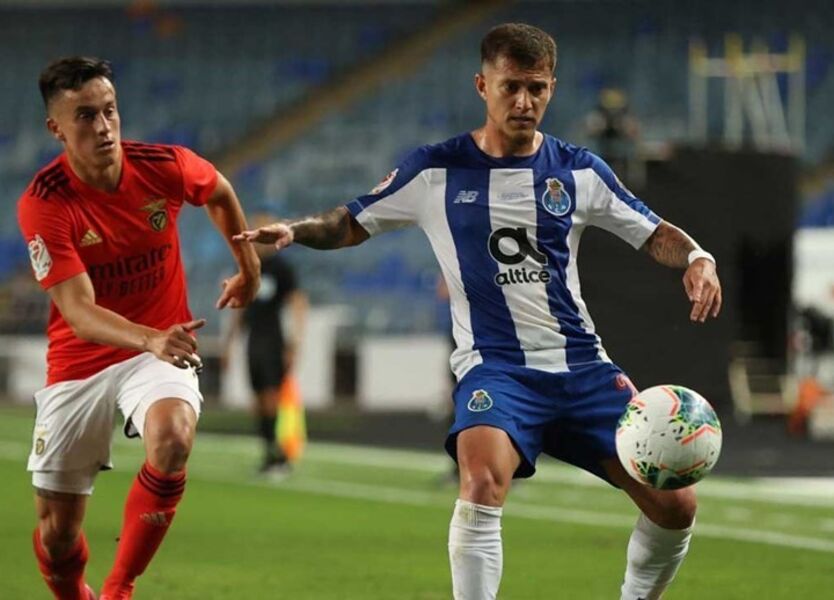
x: 669, y: 437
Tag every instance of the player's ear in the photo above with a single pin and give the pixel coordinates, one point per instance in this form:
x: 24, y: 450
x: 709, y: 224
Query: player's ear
x: 52, y: 126
x: 480, y: 85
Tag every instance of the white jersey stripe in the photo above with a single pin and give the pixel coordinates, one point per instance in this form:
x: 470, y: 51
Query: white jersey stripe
x: 396, y: 210
x: 512, y: 204
x: 436, y: 226
x: 506, y: 232
x: 584, y: 181
x: 608, y: 211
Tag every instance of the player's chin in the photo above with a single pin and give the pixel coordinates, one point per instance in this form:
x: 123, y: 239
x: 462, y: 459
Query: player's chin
x: 523, y: 135
x: 103, y: 158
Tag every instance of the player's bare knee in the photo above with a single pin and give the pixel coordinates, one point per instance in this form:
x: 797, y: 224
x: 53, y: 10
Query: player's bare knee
x: 675, y: 510
x: 684, y: 509
x: 58, y: 536
x: 60, y: 516
x: 169, y: 449
x: 483, y: 485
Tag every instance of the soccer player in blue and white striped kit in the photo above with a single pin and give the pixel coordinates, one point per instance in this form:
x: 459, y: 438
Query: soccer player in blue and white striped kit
x: 504, y: 207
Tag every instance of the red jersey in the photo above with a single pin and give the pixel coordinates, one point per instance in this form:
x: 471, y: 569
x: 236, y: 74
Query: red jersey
x: 126, y: 241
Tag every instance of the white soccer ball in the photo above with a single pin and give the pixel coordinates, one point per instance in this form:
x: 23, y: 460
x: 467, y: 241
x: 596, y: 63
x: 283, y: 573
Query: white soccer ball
x: 669, y: 437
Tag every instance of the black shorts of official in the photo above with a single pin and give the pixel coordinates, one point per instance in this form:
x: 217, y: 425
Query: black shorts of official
x: 266, y: 366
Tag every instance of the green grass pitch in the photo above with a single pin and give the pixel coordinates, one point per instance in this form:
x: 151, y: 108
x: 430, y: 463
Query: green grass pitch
x: 365, y: 523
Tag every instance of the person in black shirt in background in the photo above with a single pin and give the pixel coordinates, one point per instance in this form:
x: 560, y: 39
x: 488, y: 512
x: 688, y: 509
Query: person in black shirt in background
x: 271, y: 346
x: 615, y: 131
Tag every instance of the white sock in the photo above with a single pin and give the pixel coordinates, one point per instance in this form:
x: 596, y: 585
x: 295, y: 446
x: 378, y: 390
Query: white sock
x: 475, y: 552
x: 654, y: 556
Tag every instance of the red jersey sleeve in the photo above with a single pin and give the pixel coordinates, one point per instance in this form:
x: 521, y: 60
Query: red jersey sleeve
x: 199, y: 177
x: 47, y: 229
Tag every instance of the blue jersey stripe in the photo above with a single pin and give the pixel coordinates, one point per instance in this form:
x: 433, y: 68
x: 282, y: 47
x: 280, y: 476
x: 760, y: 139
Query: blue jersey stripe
x: 552, y: 236
x: 469, y: 222
x: 507, y: 315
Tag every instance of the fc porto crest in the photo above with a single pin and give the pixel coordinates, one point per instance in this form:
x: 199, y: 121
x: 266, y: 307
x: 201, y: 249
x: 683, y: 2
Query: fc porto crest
x: 480, y: 401
x: 556, y: 199
x: 157, y: 215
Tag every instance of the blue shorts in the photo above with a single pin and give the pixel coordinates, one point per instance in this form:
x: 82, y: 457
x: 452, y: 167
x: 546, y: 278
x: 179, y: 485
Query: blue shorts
x: 570, y: 416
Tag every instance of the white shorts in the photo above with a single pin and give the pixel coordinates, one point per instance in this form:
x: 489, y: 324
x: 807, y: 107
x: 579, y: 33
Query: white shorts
x: 74, y: 422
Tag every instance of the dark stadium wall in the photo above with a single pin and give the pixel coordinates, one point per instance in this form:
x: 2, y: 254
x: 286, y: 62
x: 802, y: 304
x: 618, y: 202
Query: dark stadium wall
x: 741, y: 207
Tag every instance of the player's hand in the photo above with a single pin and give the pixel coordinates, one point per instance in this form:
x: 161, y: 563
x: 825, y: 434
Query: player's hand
x: 176, y: 345
x: 703, y: 289
x: 279, y: 234
x: 239, y: 290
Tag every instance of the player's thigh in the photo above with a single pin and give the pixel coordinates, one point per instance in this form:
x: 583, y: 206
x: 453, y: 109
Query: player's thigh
x: 487, y: 459
x: 153, y: 381
x: 671, y: 509
x: 484, y: 444
x: 508, y: 411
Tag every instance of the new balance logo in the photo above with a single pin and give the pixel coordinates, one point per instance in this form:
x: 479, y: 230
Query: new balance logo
x: 466, y: 197
x: 155, y: 518
x: 90, y: 238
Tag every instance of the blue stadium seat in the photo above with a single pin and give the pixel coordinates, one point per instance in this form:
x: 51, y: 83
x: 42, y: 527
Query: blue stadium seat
x: 203, y: 76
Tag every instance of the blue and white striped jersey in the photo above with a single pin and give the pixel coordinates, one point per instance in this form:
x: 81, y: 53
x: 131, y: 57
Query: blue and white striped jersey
x: 506, y: 234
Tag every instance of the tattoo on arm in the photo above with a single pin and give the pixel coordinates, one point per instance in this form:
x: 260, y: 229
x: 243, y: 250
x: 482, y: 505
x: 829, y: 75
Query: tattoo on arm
x: 329, y: 230
x: 670, y: 246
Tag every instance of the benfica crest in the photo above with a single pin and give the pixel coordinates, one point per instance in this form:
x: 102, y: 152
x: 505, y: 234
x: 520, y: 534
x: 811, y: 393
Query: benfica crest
x: 39, y: 256
x: 157, y: 215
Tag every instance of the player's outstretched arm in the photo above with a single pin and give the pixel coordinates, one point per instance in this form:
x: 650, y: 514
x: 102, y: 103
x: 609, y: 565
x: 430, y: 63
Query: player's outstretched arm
x: 223, y: 208
x: 76, y: 299
x: 329, y: 230
x: 671, y: 246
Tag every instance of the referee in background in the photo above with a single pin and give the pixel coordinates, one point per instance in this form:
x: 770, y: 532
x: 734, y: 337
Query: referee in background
x: 272, y: 344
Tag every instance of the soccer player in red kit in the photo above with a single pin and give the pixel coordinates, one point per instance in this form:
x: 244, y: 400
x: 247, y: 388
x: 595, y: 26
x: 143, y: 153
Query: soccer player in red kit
x: 100, y: 223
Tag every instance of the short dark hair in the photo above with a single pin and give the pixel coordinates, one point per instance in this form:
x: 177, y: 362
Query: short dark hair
x: 525, y: 45
x: 70, y: 73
